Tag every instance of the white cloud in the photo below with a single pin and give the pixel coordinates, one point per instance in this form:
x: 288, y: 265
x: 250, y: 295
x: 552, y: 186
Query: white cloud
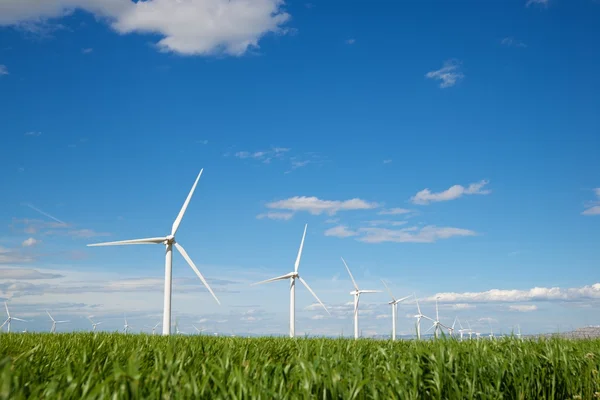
x: 426, y: 234
x: 30, y: 242
x: 3, y: 69
x: 394, y: 211
x: 350, y: 41
x: 316, y: 206
x: 463, y: 306
x: 514, y: 295
x: 425, y: 196
x: 382, y: 316
x: 340, y: 231
x: 593, y: 207
x: 523, y: 307
x: 11, y: 256
x: 512, y: 42
x: 87, y: 50
x: 188, y: 27
x: 280, y: 216
x: 33, y: 133
x: 388, y: 161
x: 26, y: 273
x: 318, y: 316
x: 542, y: 2
x: 449, y: 74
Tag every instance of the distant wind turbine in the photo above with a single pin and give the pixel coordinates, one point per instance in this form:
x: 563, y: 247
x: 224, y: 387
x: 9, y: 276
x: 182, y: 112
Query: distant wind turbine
x: 54, y: 322
x: 153, y: 328
x: 356, y: 293
x: 9, y: 319
x: 292, y: 276
x: 394, y: 304
x: 199, y: 330
x: 419, y: 317
x: 126, y: 327
x: 94, y: 324
x: 169, y: 242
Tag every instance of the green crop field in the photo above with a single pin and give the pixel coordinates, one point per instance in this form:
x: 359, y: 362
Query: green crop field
x: 88, y: 366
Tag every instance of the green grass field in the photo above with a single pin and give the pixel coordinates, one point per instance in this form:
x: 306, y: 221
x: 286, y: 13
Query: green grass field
x: 86, y: 366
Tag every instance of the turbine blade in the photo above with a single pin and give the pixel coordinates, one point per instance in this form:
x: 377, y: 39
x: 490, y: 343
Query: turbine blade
x: 279, y: 278
x: 2, y: 326
x: 50, y: 316
x: 388, y: 289
x: 429, y: 328
x: 402, y: 299
x: 185, y: 205
x: 193, y: 266
x: 154, y: 240
x: 7, y: 312
x: 98, y: 323
x: 60, y: 322
x: 18, y: 319
x: 350, y: 273
x: 426, y: 317
x: 370, y: 291
x: 417, y: 300
x: 313, y: 293
x: 297, y: 264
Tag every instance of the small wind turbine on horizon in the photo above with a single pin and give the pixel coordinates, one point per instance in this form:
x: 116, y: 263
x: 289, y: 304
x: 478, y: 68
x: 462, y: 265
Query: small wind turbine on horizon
x: 9, y: 319
x: 419, y: 316
x: 153, y: 328
x: 199, y: 330
x: 94, y: 324
x: 356, y: 293
x: 394, y: 304
x: 54, y: 322
x: 169, y: 242
x: 126, y: 327
x: 437, y: 325
x: 292, y: 276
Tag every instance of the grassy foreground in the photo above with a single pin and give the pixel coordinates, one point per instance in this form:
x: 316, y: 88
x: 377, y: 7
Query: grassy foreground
x: 88, y: 366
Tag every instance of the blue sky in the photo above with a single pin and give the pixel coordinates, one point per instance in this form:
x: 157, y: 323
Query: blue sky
x: 475, y: 121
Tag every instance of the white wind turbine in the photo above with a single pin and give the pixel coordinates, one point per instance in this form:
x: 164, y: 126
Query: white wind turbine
x: 394, y: 304
x: 199, y: 330
x: 94, y: 324
x: 54, y: 322
x: 126, y: 327
x: 419, y: 316
x: 437, y: 325
x: 169, y: 242
x: 9, y: 319
x: 356, y: 293
x: 292, y: 276
x: 153, y: 328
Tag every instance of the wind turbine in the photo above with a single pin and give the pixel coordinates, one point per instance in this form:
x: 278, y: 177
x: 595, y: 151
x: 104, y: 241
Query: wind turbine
x: 292, y: 276
x: 9, y: 319
x: 394, y: 304
x: 419, y: 316
x: 169, y: 242
x: 519, y: 334
x: 126, y: 327
x: 451, y: 329
x: 54, y: 322
x: 94, y: 324
x: 356, y: 293
x: 199, y: 330
x: 153, y: 328
x: 437, y: 325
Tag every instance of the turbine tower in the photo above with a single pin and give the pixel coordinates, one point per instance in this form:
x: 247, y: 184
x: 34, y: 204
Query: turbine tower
x: 394, y: 304
x: 54, y: 322
x: 169, y: 242
x: 356, y: 293
x: 292, y: 276
x: 9, y: 319
x: 437, y: 325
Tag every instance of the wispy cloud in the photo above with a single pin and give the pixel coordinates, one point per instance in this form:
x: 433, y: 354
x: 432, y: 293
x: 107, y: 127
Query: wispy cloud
x: 281, y: 216
x: 281, y: 154
x: 463, y: 306
x: 449, y: 74
x: 414, y: 234
x: 388, y: 161
x: 3, y: 70
x: 87, y: 50
x: 202, y: 141
x: 33, y: 133
x: 30, y: 242
x: 593, y: 207
x: 193, y: 27
x: 540, y: 2
x: 514, y: 295
x: 26, y: 273
x: 394, y: 211
x: 523, y: 307
x: 512, y: 42
x: 340, y: 231
x: 14, y: 256
x: 425, y: 196
x: 350, y: 41
x: 316, y: 206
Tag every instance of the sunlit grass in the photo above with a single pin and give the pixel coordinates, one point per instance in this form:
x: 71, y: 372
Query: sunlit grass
x: 103, y: 365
